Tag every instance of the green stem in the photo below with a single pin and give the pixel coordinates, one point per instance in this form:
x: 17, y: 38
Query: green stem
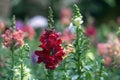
x: 65, y: 70
x: 21, y: 71
x: 78, y: 64
x: 101, y: 68
x: 78, y: 68
x: 50, y: 74
x: 21, y: 58
x: 12, y: 64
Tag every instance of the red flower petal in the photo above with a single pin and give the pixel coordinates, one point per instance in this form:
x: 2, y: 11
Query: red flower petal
x: 51, y: 53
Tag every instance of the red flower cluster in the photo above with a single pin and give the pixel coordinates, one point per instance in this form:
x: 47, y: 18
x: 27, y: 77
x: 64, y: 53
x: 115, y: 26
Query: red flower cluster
x: 52, y: 52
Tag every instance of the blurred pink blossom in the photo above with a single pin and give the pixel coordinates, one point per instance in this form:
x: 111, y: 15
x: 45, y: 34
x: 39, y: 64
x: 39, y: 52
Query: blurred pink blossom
x: 65, y: 21
x: 7, y: 39
x: 29, y: 32
x: 2, y: 26
x: 110, y: 50
x: 102, y: 48
x: 107, y: 61
x: 118, y: 20
x: 65, y: 12
x: 68, y: 37
x: 65, y: 15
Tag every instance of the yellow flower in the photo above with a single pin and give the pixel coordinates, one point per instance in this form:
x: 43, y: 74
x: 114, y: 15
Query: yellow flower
x: 69, y: 49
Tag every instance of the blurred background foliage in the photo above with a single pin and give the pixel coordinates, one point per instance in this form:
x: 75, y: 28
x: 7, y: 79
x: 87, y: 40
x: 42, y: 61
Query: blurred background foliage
x: 100, y: 17
x: 100, y: 10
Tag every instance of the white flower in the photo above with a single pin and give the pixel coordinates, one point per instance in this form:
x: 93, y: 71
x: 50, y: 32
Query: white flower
x: 38, y: 22
x: 26, y: 72
x: 72, y: 28
x: 78, y: 21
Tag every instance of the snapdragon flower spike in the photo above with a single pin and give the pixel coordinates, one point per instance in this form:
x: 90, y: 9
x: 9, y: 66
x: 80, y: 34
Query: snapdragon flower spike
x: 13, y: 38
x: 52, y: 52
x: 77, y: 17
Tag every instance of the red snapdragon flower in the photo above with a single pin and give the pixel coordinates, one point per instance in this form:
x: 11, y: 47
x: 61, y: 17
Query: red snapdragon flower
x: 52, y: 52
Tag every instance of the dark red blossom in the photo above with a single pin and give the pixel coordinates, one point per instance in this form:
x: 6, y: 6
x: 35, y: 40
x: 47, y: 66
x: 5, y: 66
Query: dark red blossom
x: 90, y: 30
x: 52, y: 52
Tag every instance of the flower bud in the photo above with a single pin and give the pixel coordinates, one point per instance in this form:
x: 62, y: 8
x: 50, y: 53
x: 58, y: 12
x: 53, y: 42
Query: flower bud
x: 26, y: 47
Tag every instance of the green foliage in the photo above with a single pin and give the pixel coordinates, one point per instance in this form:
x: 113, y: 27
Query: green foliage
x: 118, y: 32
x: 83, y: 64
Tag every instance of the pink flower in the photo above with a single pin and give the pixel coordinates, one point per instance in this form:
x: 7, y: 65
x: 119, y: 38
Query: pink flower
x: 66, y: 12
x: 68, y: 37
x: 7, y: 39
x: 118, y: 20
x: 66, y: 15
x: 65, y: 21
x: 102, y: 48
x: 17, y: 36
x: 29, y: 32
x: 13, y: 38
x: 2, y: 26
x: 107, y: 61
